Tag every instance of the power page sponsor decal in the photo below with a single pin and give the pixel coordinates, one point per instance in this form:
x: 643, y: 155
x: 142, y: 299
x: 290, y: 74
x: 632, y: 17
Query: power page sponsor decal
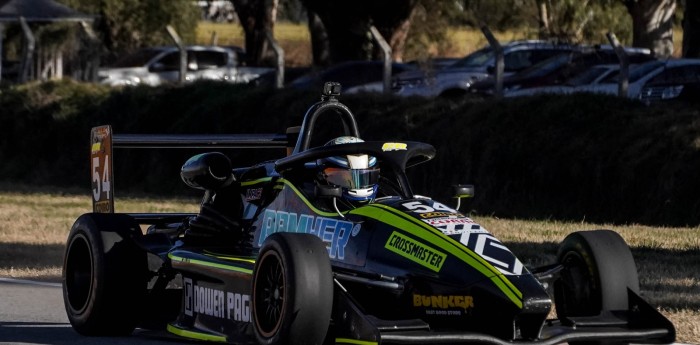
x: 415, y: 251
x: 215, y: 303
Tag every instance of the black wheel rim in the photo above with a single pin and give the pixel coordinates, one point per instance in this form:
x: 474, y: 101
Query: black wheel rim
x: 79, y: 272
x: 578, y: 293
x: 270, y: 294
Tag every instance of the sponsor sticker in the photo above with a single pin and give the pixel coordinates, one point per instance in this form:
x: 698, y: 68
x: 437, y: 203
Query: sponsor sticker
x: 443, y: 302
x: 415, y: 251
x: 334, y: 232
x: 394, y: 147
x: 253, y: 194
x: 215, y: 303
x: 440, y: 215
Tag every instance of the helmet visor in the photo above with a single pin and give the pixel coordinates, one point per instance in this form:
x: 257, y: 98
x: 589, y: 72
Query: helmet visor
x: 352, y: 178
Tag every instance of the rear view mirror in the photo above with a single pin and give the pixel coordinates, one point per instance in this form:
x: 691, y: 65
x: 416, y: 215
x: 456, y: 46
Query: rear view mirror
x: 462, y: 191
x: 328, y: 191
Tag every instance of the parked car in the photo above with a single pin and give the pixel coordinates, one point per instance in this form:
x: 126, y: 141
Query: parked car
x: 426, y: 66
x: 349, y: 74
x: 652, y: 81
x: 591, y: 76
x: 157, y: 65
x: 455, y: 79
x: 560, y: 68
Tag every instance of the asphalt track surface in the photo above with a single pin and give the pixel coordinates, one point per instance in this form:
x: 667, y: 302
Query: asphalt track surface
x: 33, y: 313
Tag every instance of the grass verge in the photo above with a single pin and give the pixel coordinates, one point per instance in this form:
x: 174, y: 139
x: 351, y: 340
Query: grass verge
x: 34, y: 225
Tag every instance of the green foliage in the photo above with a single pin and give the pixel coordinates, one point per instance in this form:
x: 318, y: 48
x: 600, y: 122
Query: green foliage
x: 500, y: 15
x: 126, y: 25
x: 565, y: 157
x: 588, y: 21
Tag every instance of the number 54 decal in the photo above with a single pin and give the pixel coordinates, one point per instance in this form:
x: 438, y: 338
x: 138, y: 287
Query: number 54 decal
x: 101, y: 169
x: 421, y: 207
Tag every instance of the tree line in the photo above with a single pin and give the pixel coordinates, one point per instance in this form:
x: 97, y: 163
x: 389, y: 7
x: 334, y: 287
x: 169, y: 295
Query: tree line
x: 340, y: 30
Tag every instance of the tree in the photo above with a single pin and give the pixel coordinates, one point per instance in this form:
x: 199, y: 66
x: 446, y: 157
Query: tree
x: 691, y: 29
x: 125, y: 25
x: 652, y: 24
x: 346, y: 25
x: 257, y: 17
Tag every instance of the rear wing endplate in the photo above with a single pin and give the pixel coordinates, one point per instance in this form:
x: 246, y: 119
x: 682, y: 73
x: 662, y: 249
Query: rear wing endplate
x: 103, y: 141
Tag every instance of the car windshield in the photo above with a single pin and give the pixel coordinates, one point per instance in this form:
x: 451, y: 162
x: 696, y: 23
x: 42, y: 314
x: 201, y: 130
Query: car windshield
x: 475, y: 59
x: 588, y: 76
x: 634, y: 74
x: 544, y: 67
x: 137, y: 59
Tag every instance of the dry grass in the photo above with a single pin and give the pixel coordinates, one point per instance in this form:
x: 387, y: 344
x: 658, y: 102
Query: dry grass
x: 35, y: 224
x: 294, y: 39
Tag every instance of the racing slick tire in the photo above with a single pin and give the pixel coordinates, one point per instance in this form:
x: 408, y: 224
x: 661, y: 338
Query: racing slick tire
x: 598, y: 270
x: 105, y: 275
x: 292, y: 290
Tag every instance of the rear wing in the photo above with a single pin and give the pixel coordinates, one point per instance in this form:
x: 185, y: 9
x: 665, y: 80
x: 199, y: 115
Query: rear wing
x: 103, y: 141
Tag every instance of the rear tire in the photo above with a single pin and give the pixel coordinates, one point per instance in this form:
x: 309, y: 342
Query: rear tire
x: 105, y: 275
x: 292, y: 290
x: 598, y: 270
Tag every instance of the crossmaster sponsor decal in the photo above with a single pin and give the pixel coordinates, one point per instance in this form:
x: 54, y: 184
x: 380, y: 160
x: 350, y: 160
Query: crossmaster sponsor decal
x: 492, y: 250
x: 415, y: 251
x: 215, y: 303
x: 334, y: 232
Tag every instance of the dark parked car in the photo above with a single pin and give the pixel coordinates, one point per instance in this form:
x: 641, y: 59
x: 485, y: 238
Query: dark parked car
x: 349, y: 74
x: 455, y: 79
x: 559, y: 68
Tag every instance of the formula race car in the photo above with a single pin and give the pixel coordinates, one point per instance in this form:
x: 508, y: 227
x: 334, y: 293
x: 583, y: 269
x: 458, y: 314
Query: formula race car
x: 329, y: 245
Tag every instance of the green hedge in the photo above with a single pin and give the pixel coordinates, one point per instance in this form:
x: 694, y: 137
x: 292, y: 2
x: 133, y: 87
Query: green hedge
x: 578, y: 157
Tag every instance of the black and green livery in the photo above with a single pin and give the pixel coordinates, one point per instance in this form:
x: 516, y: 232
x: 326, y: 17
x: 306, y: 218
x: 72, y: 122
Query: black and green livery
x: 273, y: 259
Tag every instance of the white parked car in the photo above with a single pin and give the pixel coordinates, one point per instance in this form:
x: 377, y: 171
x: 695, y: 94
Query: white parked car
x: 157, y: 65
x: 455, y: 79
x: 652, y: 81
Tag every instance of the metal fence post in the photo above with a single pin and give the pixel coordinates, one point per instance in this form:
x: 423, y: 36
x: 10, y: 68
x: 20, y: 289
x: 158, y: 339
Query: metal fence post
x: 623, y: 82
x: 500, y: 63
x: 386, y: 53
x: 27, y: 51
x: 183, y: 53
x: 279, y: 55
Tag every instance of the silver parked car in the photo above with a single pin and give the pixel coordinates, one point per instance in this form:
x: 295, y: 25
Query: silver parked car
x: 456, y: 78
x: 158, y: 65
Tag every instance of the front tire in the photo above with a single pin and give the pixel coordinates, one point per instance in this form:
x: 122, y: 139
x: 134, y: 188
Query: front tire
x: 105, y: 275
x: 292, y: 290
x: 598, y: 270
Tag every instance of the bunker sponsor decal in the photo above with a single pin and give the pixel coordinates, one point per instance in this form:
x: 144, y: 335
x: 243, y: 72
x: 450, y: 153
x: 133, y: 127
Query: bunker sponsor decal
x: 215, y: 303
x: 394, y: 147
x: 451, y: 305
x: 334, y: 232
x: 415, y: 251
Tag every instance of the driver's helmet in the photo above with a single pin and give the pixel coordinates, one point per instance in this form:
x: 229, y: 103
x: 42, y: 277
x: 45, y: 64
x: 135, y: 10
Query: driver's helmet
x: 355, y: 174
